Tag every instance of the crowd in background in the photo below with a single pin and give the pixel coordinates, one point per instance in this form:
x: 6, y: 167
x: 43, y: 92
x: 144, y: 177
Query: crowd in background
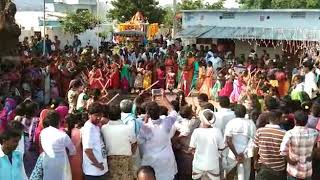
x: 253, y: 118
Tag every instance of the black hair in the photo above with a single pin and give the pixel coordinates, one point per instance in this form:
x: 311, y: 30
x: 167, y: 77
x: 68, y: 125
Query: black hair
x: 72, y: 120
x: 301, y: 118
x: 271, y: 103
x: 105, y: 110
x: 240, y: 111
x: 53, y: 118
x: 30, y: 108
x: 8, y: 134
x: 207, y: 106
x: 224, y: 101
x: 153, y: 110
x: 203, y: 97
x: 15, y: 125
x: 20, y: 110
x: 115, y: 113
x: 175, y: 105
x: 146, y: 170
x: 141, y: 108
x: 163, y: 111
x: 95, y: 108
x: 274, y: 117
x: 186, y: 112
x: 315, y: 110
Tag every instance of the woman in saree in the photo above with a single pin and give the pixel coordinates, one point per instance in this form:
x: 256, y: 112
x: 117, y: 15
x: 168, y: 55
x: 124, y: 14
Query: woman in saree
x: 147, y: 77
x: 181, y: 62
x: 114, y: 77
x: 207, y: 83
x: 190, y: 68
x: 96, y: 80
x: 201, y: 74
x: 169, y: 63
x: 195, y: 78
x: 161, y: 77
x: 125, y: 77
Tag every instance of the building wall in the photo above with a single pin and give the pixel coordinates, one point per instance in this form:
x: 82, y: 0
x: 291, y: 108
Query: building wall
x: 277, y: 19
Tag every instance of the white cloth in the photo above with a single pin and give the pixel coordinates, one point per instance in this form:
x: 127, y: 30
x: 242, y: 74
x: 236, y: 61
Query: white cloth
x: 207, y: 142
x: 223, y: 116
x: 216, y: 62
x: 80, y: 101
x: 310, y: 85
x: 242, y: 132
x: 183, y: 126
x: 118, y: 138
x: 55, y: 163
x: 20, y: 146
x: 154, y: 138
x: 145, y: 57
x: 91, y: 139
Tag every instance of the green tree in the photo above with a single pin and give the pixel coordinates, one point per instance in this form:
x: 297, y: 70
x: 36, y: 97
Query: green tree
x: 199, y: 4
x: 78, y: 22
x: 280, y: 4
x: 123, y: 10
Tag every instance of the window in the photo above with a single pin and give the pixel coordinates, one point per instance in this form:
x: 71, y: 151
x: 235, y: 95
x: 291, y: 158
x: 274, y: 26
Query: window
x: 227, y: 15
x: 298, y: 15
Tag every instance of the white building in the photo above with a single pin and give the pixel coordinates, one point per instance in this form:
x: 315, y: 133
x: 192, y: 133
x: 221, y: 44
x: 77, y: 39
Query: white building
x: 30, y: 18
x: 277, y: 31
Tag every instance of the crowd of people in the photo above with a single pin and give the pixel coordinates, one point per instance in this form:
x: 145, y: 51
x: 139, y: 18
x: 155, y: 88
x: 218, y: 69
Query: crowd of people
x: 253, y: 118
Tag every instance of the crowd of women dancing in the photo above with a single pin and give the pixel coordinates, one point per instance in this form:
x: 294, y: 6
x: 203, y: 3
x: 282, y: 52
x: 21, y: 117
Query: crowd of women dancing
x: 253, y: 118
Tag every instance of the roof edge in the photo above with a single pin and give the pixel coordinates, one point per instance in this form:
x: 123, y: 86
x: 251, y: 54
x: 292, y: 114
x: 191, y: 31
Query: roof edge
x: 250, y: 10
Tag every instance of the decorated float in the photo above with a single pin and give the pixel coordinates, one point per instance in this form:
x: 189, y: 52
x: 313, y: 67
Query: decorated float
x: 137, y: 29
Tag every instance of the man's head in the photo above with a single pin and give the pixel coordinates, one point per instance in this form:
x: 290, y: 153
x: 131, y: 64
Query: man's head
x: 126, y: 106
x: 186, y: 112
x: 153, y: 110
x: 146, y: 173
x: 53, y: 118
x: 240, y: 111
x: 95, y: 113
x: 114, y: 113
x: 274, y: 117
x: 300, y: 118
x: 271, y: 103
x: 202, y: 98
x: 224, y: 101
x: 10, y: 140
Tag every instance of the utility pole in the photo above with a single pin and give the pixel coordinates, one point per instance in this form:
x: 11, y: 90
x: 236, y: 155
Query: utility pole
x: 174, y: 18
x: 44, y: 27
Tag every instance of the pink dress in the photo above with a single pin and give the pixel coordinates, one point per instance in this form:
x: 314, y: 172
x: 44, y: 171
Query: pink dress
x: 76, y: 160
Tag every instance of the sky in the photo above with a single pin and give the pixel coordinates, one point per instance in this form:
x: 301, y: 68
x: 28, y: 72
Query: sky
x: 37, y: 4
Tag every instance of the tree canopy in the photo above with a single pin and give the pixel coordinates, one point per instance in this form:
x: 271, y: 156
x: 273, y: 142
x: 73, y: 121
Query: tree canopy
x: 123, y: 10
x: 78, y: 22
x: 199, y: 4
x: 280, y: 4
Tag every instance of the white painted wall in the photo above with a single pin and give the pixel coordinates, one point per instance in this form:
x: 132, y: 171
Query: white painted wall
x: 278, y: 19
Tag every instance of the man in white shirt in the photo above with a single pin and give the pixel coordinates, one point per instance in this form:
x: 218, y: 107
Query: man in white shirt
x: 224, y: 114
x: 215, y: 59
x: 239, y: 135
x: 310, y: 85
x: 120, y: 143
x: 147, y: 55
x: 94, y: 156
x: 206, y: 142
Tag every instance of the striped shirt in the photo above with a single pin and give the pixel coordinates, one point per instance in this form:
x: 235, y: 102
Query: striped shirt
x: 298, y: 143
x: 268, y: 139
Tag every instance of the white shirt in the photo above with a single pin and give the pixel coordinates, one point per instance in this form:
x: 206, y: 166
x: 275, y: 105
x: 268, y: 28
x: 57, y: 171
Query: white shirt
x: 207, y: 142
x: 91, y: 139
x: 216, y: 62
x: 223, y: 116
x: 242, y: 132
x: 118, y: 138
x: 55, y: 141
x: 145, y: 58
x: 310, y: 84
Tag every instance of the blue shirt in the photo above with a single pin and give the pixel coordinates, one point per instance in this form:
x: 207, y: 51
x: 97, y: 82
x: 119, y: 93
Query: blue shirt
x: 14, y: 170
